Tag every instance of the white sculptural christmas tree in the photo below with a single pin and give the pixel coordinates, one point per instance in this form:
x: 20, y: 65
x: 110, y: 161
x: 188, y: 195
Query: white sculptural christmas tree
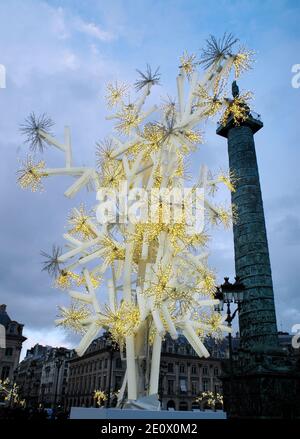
x: 154, y: 270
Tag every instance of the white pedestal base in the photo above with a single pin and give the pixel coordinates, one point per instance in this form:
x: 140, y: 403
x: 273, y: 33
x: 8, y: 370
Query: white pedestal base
x: 102, y: 413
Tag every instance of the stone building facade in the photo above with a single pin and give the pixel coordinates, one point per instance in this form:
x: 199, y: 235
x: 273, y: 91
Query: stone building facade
x: 10, y: 349
x: 28, y: 374
x: 54, y: 377
x: 42, y: 376
x: 183, y: 374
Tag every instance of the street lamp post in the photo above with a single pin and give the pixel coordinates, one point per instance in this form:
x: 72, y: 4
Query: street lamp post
x: 29, y: 376
x: 230, y: 293
x: 111, y: 353
x: 163, y: 374
x: 111, y: 347
x: 12, y: 389
x: 58, y: 364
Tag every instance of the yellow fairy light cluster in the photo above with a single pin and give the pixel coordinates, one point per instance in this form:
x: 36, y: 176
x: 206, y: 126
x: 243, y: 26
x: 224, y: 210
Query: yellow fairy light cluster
x: 95, y: 280
x: 112, y: 173
x: 214, y: 320
x: 66, y: 279
x: 31, y: 174
x: 209, y: 104
x: 237, y: 109
x: 104, y: 152
x: 153, y: 138
x: 128, y: 118
x: 222, y: 215
x: 79, y: 221
x: 159, y: 288
x: 10, y: 392
x: 207, y: 280
x: 121, y: 322
x: 112, y: 250
x: 180, y: 239
x: 193, y: 136
x: 211, y: 399
x: 188, y: 63
x: 100, y: 397
x: 72, y: 318
x: 228, y: 179
x: 115, y: 93
x: 242, y: 61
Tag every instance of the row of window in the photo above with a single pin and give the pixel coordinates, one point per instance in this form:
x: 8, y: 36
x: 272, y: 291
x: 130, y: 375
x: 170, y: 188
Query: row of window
x: 88, y: 384
x: 172, y: 348
x: 181, y: 350
x: 103, y: 364
x: 195, y: 386
x: 194, y: 369
x: 90, y: 366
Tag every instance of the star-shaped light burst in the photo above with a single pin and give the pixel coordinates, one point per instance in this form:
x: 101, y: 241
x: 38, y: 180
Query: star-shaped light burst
x: 140, y: 279
x: 217, y: 50
x: 30, y: 175
x: 51, y: 262
x: 121, y: 321
x: 147, y: 79
x: 242, y: 61
x: 129, y: 119
x: 80, y: 224
x: 115, y: 93
x: 73, y: 317
x: 188, y: 63
x: 35, y: 128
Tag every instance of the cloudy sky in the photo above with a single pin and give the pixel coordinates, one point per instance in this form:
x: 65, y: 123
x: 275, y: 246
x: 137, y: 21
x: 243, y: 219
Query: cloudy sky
x: 58, y: 57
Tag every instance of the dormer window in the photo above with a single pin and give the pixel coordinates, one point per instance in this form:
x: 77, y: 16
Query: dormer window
x: 12, y: 329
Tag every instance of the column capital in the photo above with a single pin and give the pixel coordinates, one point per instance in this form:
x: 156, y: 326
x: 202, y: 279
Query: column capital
x: 253, y: 121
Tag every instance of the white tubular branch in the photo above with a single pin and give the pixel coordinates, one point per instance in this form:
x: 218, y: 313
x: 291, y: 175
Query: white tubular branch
x: 131, y: 368
x: 91, y: 290
x: 77, y: 250
x: 64, y: 171
x: 92, y: 256
x: 194, y: 340
x: 68, y: 147
x: 180, y: 91
x: 169, y: 322
x: 111, y: 295
x: 140, y: 103
x: 79, y: 183
x: 51, y: 140
x: 75, y: 242
x: 141, y: 303
x: 87, y: 339
x: 191, y: 96
x: 83, y: 297
x: 155, y: 362
x: 157, y: 321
